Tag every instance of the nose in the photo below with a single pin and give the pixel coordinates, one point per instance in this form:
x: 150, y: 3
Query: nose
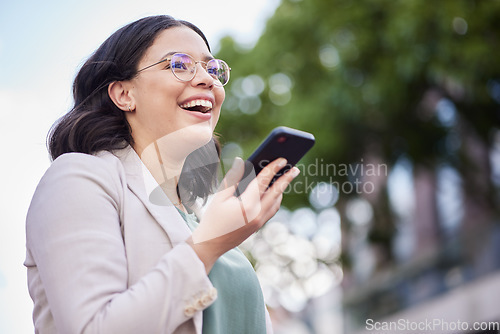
x: 202, y: 77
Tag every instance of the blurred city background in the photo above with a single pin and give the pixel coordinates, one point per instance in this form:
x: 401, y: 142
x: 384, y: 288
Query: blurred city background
x: 395, y: 216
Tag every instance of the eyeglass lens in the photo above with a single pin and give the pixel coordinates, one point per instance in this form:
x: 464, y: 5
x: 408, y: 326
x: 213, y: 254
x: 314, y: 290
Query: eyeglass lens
x: 184, y: 68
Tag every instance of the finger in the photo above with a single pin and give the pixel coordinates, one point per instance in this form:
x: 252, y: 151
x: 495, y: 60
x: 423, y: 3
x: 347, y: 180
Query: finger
x: 266, y: 175
x: 280, y: 185
x: 275, y: 193
x: 269, y: 209
x: 257, y: 198
x: 271, y: 200
x: 234, y: 175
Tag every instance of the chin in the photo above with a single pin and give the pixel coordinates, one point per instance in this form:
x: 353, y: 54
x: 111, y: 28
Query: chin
x: 199, y: 136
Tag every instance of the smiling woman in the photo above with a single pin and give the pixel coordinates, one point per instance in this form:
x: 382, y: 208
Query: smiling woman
x: 117, y: 241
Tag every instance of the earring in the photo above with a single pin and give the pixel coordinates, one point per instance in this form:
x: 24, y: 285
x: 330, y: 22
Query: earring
x: 129, y: 108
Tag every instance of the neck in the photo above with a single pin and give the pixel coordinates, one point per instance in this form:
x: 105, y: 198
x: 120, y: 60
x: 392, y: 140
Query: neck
x: 165, y: 169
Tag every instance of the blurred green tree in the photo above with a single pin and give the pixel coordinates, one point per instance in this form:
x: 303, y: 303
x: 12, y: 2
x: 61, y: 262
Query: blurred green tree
x: 366, y: 78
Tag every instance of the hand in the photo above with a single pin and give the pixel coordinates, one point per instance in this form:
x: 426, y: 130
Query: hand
x: 229, y: 220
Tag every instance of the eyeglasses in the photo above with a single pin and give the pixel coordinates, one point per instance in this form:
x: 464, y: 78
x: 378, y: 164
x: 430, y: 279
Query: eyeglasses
x: 183, y: 67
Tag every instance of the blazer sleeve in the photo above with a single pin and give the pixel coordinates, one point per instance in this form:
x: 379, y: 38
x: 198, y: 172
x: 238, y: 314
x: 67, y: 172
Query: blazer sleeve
x: 74, y: 238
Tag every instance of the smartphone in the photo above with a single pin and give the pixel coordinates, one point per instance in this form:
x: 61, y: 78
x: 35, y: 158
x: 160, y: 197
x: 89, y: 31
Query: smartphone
x: 282, y: 142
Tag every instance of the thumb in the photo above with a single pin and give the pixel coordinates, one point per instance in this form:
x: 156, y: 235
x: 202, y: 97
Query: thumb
x: 234, y: 175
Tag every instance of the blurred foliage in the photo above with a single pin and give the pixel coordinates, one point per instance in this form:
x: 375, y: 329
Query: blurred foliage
x: 364, y: 77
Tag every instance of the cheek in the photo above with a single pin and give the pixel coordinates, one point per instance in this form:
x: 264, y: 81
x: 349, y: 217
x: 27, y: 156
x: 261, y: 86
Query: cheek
x: 158, y: 91
x: 222, y: 94
x: 214, y: 121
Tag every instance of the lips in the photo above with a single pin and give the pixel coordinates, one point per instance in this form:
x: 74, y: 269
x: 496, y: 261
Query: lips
x: 199, y: 105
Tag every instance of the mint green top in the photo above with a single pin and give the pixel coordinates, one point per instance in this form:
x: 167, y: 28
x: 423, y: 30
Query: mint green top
x: 239, y: 307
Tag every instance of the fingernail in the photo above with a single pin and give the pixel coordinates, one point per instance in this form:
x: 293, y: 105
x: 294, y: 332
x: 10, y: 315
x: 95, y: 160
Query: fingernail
x: 237, y: 162
x: 282, y: 162
x: 295, y: 171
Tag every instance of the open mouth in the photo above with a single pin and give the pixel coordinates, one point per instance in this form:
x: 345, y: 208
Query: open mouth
x: 202, y: 106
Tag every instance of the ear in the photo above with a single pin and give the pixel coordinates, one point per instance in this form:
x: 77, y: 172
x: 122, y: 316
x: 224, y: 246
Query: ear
x: 120, y: 95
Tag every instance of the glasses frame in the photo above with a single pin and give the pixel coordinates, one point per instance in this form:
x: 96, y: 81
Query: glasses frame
x: 196, y: 62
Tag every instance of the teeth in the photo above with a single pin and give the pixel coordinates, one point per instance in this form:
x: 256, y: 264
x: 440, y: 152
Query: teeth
x: 194, y: 103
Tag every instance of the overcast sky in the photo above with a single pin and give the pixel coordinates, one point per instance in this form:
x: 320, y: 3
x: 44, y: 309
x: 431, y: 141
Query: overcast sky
x: 42, y: 44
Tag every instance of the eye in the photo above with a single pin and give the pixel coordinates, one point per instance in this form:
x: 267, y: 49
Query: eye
x: 165, y: 63
x: 215, y: 69
x: 178, y: 65
x: 181, y: 65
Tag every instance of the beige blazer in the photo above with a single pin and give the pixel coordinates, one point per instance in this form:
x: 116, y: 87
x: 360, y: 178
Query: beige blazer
x: 102, y: 258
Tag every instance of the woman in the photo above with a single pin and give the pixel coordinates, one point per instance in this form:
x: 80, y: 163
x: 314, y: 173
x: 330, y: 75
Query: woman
x: 116, y: 239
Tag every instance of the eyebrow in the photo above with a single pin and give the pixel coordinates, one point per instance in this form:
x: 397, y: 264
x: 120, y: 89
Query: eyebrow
x: 168, y: 54
x: 165, y: 56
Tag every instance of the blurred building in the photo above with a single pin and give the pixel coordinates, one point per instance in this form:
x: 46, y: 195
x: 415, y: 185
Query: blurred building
x: 453, y: 287
x: 444, y: 275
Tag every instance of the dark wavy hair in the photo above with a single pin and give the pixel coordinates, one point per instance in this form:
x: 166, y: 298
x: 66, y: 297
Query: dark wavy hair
x: 95, y: 123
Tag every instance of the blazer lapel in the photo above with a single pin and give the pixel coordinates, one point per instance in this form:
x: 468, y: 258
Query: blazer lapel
x: 144, y: 186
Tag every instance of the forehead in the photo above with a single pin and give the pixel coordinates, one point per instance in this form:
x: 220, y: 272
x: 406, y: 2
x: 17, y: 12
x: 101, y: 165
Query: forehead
x: 176, y: 39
